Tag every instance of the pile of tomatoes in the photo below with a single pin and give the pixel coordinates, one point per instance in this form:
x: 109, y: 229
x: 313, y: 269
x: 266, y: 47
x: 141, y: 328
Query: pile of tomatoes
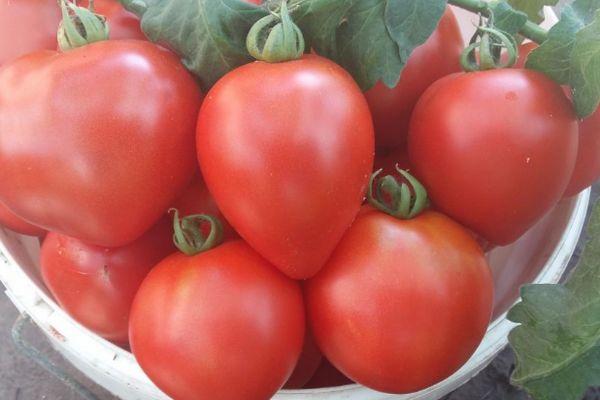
x: 312, y: 286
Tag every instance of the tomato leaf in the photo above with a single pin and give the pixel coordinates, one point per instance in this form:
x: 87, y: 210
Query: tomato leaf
x: 533, y: 8
x: 557, y: 345
x: 585, y: 68
x: 569, y: 54
x: 507, y: 18
x: 372, y: 39
x: 209, y: 35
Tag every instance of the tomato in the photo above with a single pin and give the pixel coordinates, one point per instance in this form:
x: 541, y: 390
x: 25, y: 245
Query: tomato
x: 524, y: 51
x: 122, y: 24
x: 287, y: 165
x: 30, y: 25
x: 106, y: 170
x: 254, y: 1
x: 96, y: 285
x: 197, y: 200
x: 17, y: 224
x: 327, y: 376
x: 308, y: 363
x: 26, y: 26
x: 401, y: 304
x: 495, y: 149
x: 587, y: 166
x: 227, y: 324
x: 387, y: 161
x: 437, y: 57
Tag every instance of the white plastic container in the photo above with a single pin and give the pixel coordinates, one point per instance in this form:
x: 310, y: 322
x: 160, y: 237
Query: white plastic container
x: 541, y: 256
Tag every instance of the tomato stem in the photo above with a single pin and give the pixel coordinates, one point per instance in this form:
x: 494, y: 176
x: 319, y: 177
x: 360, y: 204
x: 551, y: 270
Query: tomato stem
x: 275, y: 37
x: 80, y: 26
x: 188, y: 236
x: 530, y: 30
x: 397, y: 199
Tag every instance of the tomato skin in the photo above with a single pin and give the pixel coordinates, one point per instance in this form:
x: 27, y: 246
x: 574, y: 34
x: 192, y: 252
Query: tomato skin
x: 587, y: 167
x: 230, y: 325
x: 26, y: 26
x: 436, y: 58
x: 196, y: 199
x: 17, y: 18
x: 269, y: 141
x: 111, y: 184
x: 388, y: 161
x: 13, y: 222
x: 122, y: 24
x: 494, y: 149
x: 96, y: 285
x: 308, y: 363
x: 401, y: 305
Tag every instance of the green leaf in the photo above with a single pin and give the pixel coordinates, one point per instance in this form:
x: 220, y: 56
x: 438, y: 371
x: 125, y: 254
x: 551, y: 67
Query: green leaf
x: 533, y: 8
x: 372, y: 39
x: 557, y: 344
x: 209, y: 35
x: 569, y: 54
x: 507, y: 18
x: 585, y: 68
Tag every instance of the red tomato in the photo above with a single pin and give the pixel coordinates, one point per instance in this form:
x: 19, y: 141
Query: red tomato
x: 17, y: 224
x: 401, y: 304
x: 226, y: 324
x: 287, y: 165
x: 524, y: 51
x: 30, y: 25
x: 587, y: 167
x: 96, y: 285
x: 254, y: 1
x: 308, y: 363
x: 106, y: 170
x: 388, y: 161
x: 197, y: 200
x: 327, y: 376
x: 122, y: 24
x: 495, y: 149
x: 437, y: 57
x: 27, y: 26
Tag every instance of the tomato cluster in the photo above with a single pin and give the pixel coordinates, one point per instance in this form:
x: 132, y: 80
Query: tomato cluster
x: 311, y: 287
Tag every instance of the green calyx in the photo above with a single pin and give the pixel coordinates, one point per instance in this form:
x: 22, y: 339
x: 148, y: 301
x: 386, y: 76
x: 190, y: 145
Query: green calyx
x: 488, y: 43
x: 275, y: 37
x: 80, y: 26
x: 188, y: 236
x: 402, y: 200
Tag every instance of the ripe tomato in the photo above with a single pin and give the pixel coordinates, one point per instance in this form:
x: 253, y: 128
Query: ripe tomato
x: 227, y: 324
x: 495, y: 149
x: 13, y: 222
x: 197, y: 200
x: 307, y: 365
x: 26, y: 26
x: 387, y: 161
x: 96, y: 285
x: 30, y: 25
x: 287, y: 165
x: 122, y: 23
x: 437, y: 57
x: 106, y: 170
x: 327, y: 376
x: 401, y: 304
x: 587, y: 166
